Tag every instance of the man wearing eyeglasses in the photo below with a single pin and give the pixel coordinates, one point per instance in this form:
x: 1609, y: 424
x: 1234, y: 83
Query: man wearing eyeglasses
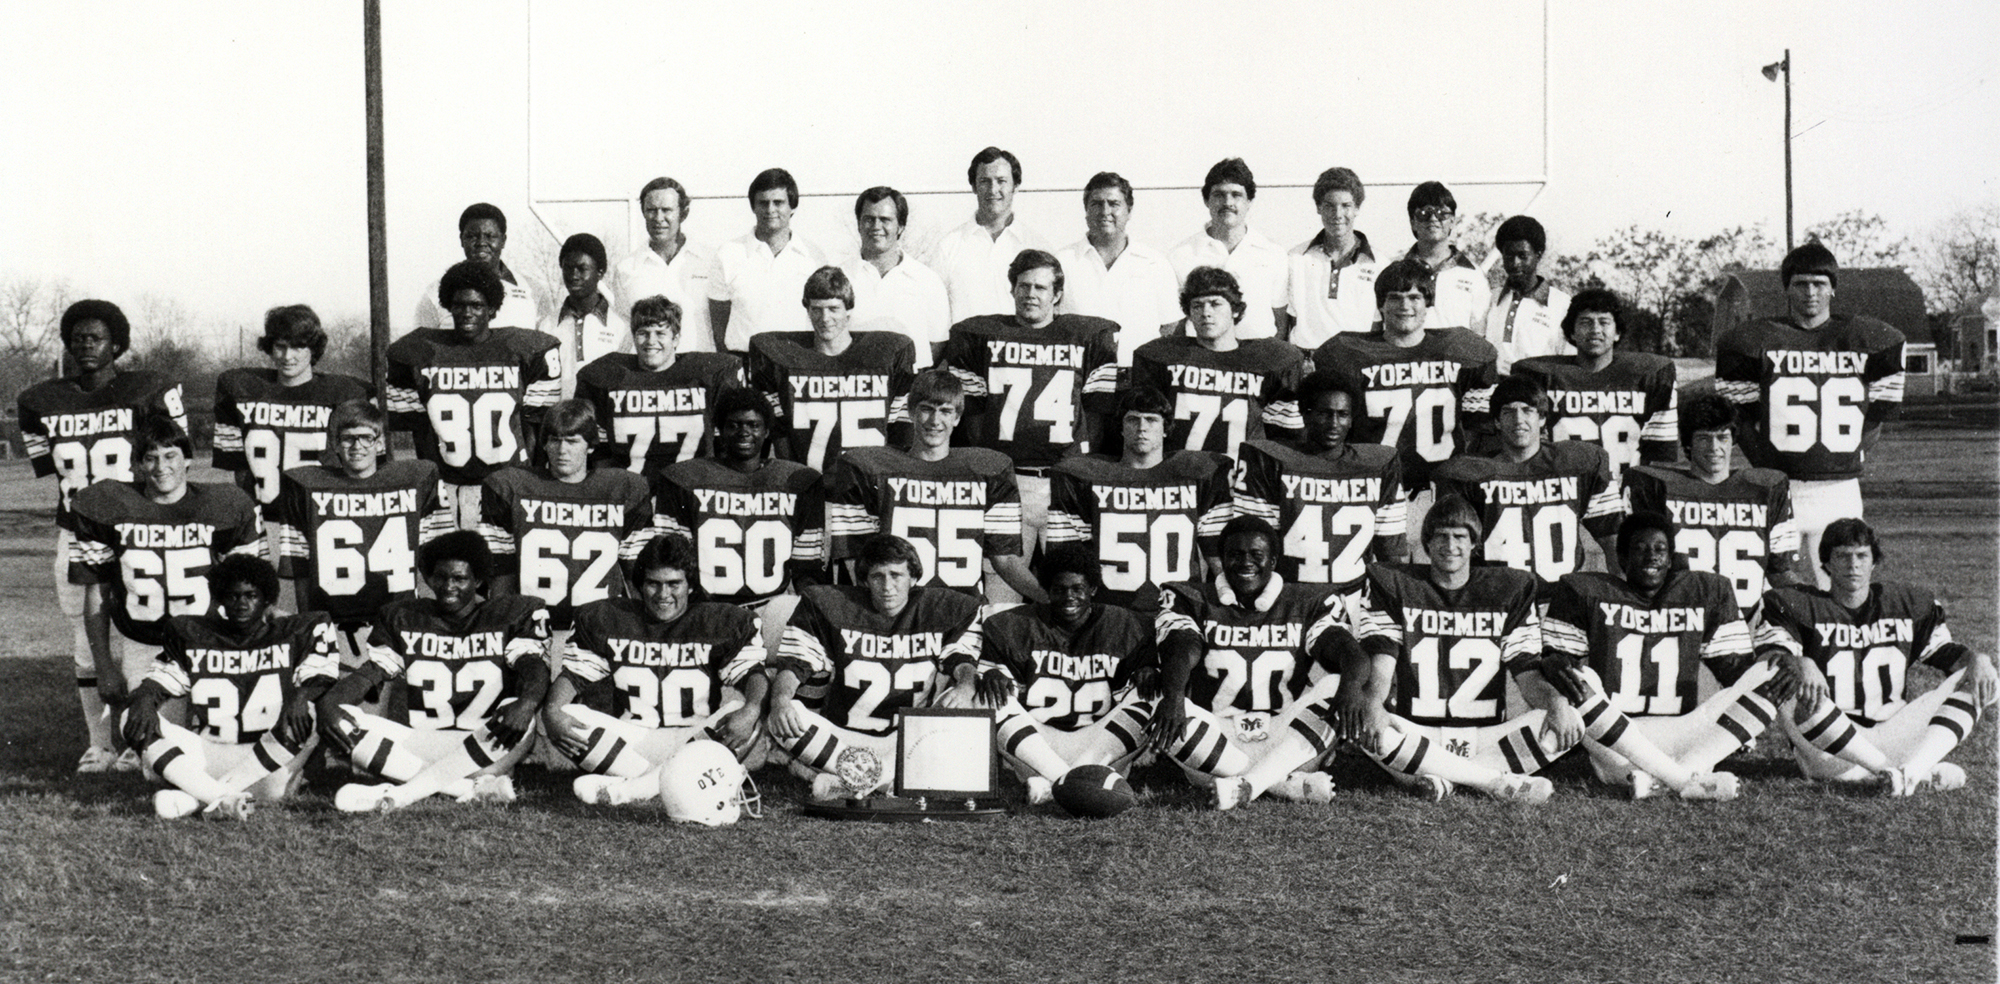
x: 1462, y: 296
x: 482, y: 234
x: 1331, y: 277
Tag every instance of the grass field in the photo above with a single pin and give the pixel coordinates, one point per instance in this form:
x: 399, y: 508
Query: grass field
x: 1793, y: 882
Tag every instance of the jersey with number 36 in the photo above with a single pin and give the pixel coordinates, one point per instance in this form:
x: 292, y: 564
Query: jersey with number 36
x: 84, y: 437
x: 353, y: 542
x: 1740, y: 527
x: 469, y: 406
x: 452, y: 673
x: 1451, y: 647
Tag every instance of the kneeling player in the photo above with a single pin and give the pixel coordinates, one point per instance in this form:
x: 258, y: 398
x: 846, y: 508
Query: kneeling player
x: 1241, y: 705
x: 1849, y: 648
x: 887, y: 645
x: 655, y: 673
x: 470, y: 673
x: 225, y: 715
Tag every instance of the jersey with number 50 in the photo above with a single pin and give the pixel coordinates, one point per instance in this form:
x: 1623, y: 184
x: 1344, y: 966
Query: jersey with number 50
x: 1864, y: 652
x: 469, y: 405
x: 661, y: 674
x: 449, y: 672
x: 879, y: 663
x: 1451, y: 647
x: 153, y: 558
x: 1816, y: 398
x: 956, y: 512
x: 264, y: 428
x: 1646, y: 647
x: 1149, y: 526
x: 1027, y: 389
x: 826, y: 404
x: 352, y: 542
x: 748, y: 528
x: 82, y: 437
x: 1421, y: 398
x: 1328, y: 509
x: 1740, y: 527
x: 237, y: 684
x: 566, y: 538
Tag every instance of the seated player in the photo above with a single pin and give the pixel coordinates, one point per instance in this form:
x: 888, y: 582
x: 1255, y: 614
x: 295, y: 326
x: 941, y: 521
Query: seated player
x: 1247, y: 661
x: 1630, y: 645
x: 1734, y: 523
x: 833, y: 388
x: 643, y: 677
x: 655, y: 402
x: 225, y: 716
x: 1084, y: 669
x: 463, y: 676
x: 1624, y: 402
x: 1850, y: 648
x: 887, y: 645
x: 1225, y: 390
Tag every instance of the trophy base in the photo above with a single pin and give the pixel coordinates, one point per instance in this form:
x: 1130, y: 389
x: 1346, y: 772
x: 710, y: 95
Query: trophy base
x: 898, y: 809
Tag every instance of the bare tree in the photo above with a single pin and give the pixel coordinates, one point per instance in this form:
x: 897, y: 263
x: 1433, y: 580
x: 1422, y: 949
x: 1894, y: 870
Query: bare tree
x: 1958, y: 261
x: 1860, y: 239
x: 1474, y: 234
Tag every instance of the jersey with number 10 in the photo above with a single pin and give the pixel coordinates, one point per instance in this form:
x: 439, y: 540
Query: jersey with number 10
x: 1536, y: 511
x: 567, y: 537
x: 153, y: 558
x: 956, y: 512
x: 237, y: 684
x: 1740, y: 527
x: 84, y: 437
x: 1418, y: 397
x: 1451, y: 646
x: 1646, y: 648
x: 827, y: 404
x: 879, y: 663
x: 1222, y: 399
x: 1628, y: 407
x: 747, y: 527
x: 651, y: 419
x: 353, y: 541
x: 1027, y: 389
x: 1864, y: 652
x: 1149, y: 526
x: 661, y: 674
x: 450, y: 672
x: 264, y: 428
x: 1816, y: 397
x: 469, y: 405
x: 1328, y: 510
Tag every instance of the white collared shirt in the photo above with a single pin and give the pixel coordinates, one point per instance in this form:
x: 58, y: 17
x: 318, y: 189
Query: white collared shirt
x: 641, y: 274
x: 765, y: 290
x: 1462, y: 295
x: 519, y: 307
x: 1324, y: 302
x: 1139, y: 291
x: 584, y: 339
x: 973, y: 265
x: 1260, y: 269
x: 1525, y: 326
x: 909, y: 299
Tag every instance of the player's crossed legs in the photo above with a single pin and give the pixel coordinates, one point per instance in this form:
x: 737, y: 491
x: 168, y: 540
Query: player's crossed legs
x: 420, y: 763
x: 1678, y: 751
x: 222, y: 780
x: 621, y: 760
x: 1905, y: 752
x: 1242, y: 755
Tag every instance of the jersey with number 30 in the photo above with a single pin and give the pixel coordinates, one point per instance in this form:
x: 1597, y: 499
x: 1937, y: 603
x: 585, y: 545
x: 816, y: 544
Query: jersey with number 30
x: 956, y: 512
x: 879, y: 663
x: 470, y: 405
x: 1027, y: 389
x: 827, y: 404
x: 353, y: 542
x: 452, y: 672
x: 1536, y: 511
x: 237, y: 684
x: 1420, y: 398
x: 1865, y: 652
x: 661, y: 674
x: 84, y: 437
x: 748, y: 528
x: 1451, y: 646
x: 1817, y: 397
x: 567, y: 537
x: 153, y: 558
x: 1646, y: 647
x: 264, y: 428
x: 1149, y: 526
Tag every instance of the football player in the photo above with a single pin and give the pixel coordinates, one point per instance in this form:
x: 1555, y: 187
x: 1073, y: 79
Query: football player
x: 1336, y: 504
x: 832, y: 388
x: 653, y: 403
x: 1535, y: 498
x: 1818, y: 387
x: 1247, y: 662
x: 643, y: 677
x: 472, y: 393
x: 1151, y: 518
x: 1734, y: 523
x: 1850, y: 649
x: 958, y: 506
x: 886, y: 645
x: 463, y: 675
x: 83, y: 428
x: 1631, y: 644
x: 225, y: 715
x: 1625, y: 402
x: 143, y: 552
x: 1224, y: 390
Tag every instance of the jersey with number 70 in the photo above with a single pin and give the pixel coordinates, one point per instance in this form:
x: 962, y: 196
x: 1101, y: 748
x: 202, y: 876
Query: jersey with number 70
x: 470, y: 405
x: 1421, y: 399
x: 352, y: 542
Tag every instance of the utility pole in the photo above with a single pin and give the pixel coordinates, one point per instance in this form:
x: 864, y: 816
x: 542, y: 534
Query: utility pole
x: 378, y: 241
x: 1771, y: 72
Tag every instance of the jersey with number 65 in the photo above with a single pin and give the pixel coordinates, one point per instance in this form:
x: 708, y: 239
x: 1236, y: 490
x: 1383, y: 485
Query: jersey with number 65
x: 1027, y: 389
x: 1646, y: 648
x: 1258, y: 654
x: 153, y: 558
x: 1740, y: 527
x: 1149, y: 526
x: 84, y: 437
x: 1816, y: 398
x: 1629, y: 408
x: 1222, y: 399
x: 826, y: 404
x: 451, y: 673
x: 1069, y: 680
x: 352, y: 542
x: 661, y: 674
x: 1421, y: 399
x: 750, y: 529
x: 237, y: 684
x: 956, y: 512
x: 879, y: 663
x: 567, y: 537
x: 1451, y: 647
x: 1537, y: 511
x: 1864, y: 652
x: 264, y: 428
x: 1328, y: 509
x: 470, y: 405
x: 651, y: 419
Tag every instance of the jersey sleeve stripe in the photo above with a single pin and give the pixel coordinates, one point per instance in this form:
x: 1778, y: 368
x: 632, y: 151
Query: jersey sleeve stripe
x: 1392, y: 519
x: 1771, y: 635
x: 1662, y: 426
x: 1525, y: 642
x: 1103, y: 379
x: 746, y: 660
x: 228, y: 437
x: 1888, y: 389
x: 802, y: 646
x: 809, y: 546
x: 36, y: 445
x: 584, y: 664
x: 170, y: 677
x: 1284, y: 413
x: 519, y: 648
x: 546, y: 393
x: 1066, y: 528
x: 402, y: 399
x: 1940, y: 638
x: 1738, y: 391
x: 1609, y: 502
x: 1561, y: 636
x: 1249, y: 505
x: 499, y: 540
x: 1731, y: 639
x: 1213, y: 520
x: 1784, y: 537
x: 975, y: 385
x: 1375, y: 623
x: 1169, y: 622
x: 1476, y: 400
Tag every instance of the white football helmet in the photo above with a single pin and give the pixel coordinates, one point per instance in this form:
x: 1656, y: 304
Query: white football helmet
x: 703, y: 783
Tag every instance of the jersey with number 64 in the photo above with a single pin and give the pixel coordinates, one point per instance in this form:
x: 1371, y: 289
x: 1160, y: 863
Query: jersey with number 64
x: 1451, y: 646
x: 237, y: 684
x: 661, y: 674
x: 567, y: 537
x: 1069, y: 680
x: 1816, y: 397
x: 352, y: 542
x: 1328, y: 509
x: 470, y: 405
x: 1420, y: 399
x: 1537, y: 511
x: 84, y: 437
x: 1864, y: 652
x: 879, y: 663
x: 651, y: 419
x: 1740, y: 527
x: 449, y: 672
x: 956, y: 512
x: 1028, y: 389
x: 153, y: 558
x: 826, y: 404
x: 264, y: 428
x: 1257, y: 654
x: 1149, y: 526
x: 1646, y: 648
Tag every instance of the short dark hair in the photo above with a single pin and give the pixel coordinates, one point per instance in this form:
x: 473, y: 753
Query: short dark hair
x: 1522, y: 229
x: 884, y: 549
x: 1229, y: 170
x: 1070, y: 558
x: 988, y: 156
x: 571, y: 418
x: 1812, y: 257
x: 482, y: 210
x: 1431, y: 194
x: 463, y: 545
x: 656, y: 310
x: 1594, y: 300
x: 247, y: 569
x: 1338, y: 179
x: 772, y: 179
x: 670, y: 550
x: 1205, y: 281
x: 296, y: 325
x: 1705, y: 411
x: 467, y: 275
x: 737, y: 399
x: 586, y: 244
x: 1852, y: 532
x: 1141, y: 398
x: 1516, y: 388
x: 1251, y: 526
x: 1108, y: 179
x: 883, y: 193
x: 935, y: 384
x: 1452, y: 512
x: 1328, y: 381
x: 1639, y: 522
x: 102, y: 312
x: 1034, y: 259
x: 157, y: 430
x: 662, y: 184
x: 828, y: 283
x: 356, y: 413
x: 1402, y: 275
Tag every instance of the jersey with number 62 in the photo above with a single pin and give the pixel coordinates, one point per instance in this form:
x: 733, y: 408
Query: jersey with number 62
x: 1816, y: 398
x: 827, y: 404
x: 1865, y: 652
x: 470, y: 405
x: 1421, y: 398
x: 1328, y: 510
x: 1646, y: 648
x: 1069, y: 680
x: 237, y: 684
x: 567, y: 537
x: 651, y: 419
x: 1260, y: 653
x: 1740, y: 527
x: 1629, y: 408
x: 352, y: 542
x: 264, y: 428
x: 1451, y: 647
x: 661, y: 674
x: 84, y: 437
x: 956, y: 512
x: 748, y: 528
x: 1150, y: 526
x: 879, y: 663
x: 452, y: 672
x: 153, y: 558
x: 1027, y: 389
x: 1537, y: 511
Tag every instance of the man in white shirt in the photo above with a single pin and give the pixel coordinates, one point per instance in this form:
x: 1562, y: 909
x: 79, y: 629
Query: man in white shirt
x: 482, y: 234
x: 587, y: 324
x: 755, y: 283
x: 972, y: 259
x: 1229, y: 243
x: 668, y: 265
x: 892, y: 291
x: 1462, y: 296
x: 1525, y: 320
x: 1330, y: 286
x: 1110, y: 276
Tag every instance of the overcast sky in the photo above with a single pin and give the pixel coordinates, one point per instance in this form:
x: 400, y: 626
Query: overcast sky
x: 213, y: 152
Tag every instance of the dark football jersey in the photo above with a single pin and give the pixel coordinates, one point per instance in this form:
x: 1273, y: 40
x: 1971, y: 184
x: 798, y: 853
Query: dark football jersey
x: 1646, y: 648
x: 1740, y: 528
x: 237, y: 684
x: 747, y: 527
x: 649, y: 419
x: 661, y: 674
x: 1328, y: 510
x: 451, y: 673
x: 264, y: 428
x: 1222, y: 399
x: 353, y: 541
x: 470, y: 406
x: 1631, y: 408
x: 1260, y: 655
x: 1421, y: 398
x: 826, y: 404
x: 1027, y: 389
x: 955, y: 512
x: 153, y: 559
x: 878, y: 663
x: 1451, y: 646
x: 1067, y: 679
x: 1149, y: 525
x: 1866, y: 652
x: 1536, y: 511
x: 1814, y: 400
x: 82, y: 438
x: 567, y: 537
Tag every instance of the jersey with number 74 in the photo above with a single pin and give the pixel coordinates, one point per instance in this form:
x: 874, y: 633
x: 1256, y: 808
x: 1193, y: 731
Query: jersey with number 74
x: 1027, y: 389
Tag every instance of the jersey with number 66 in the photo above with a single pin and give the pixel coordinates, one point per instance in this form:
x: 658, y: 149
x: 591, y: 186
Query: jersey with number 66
x: 352, y: 542
x: 470, y: 405
x: 661, y: 674
x: 264, y: 428
x: 1149, y: 526
x: 1815, y: 398
x: 1646, y: 647
x: 749, y: 528
x: 566, y: 538
x: 237, y: 684
x: 1421, y: 398
x: 826, y: 404
x: 1865, y: 652
x: 1537, y: 511
x: 153, y: 558
x: 1028, y: 389
x: 1069, y: 680
x: 1740, y: 527
x: 651, y: 419
x: 82, y: 437
x: 879, y: 663
x: 1451, y: 647
x: 956, y: 512
x: 452, y: 673
x: 1328, y: 509
x: 1258, y: 654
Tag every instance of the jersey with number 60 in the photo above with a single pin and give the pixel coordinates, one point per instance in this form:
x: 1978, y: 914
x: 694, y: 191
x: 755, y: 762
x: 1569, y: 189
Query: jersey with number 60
x: 749, y: 528
x: 470, y: 405
x: 1149, y: 526
x: 1865, y: 652
x: 451, y: 673
x: 1451, y: 647
x: 651, y: 419
x: 237, y: 684
x: 879, y: 663
x: 153, y: 558
x: 1421, y: 398
x: 82, y: 437
x: 1536, y: 512
x: 1646, y: 647
x: 566, y: 538
x: 1629, y: 408
x: 352, y: 542
x: 264, y: 428
x: 956, y: 512
x: 1328, y: 509
x: 1815, y: 398
x: 1256, y: 654
x: 661, y: 674
x: 1028, y: 389
x: 826, y: 404
x: 1740, y: 527
x: 1069, y: 680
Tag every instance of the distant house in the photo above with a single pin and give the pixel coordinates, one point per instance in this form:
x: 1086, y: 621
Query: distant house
x: 1976, y: 329
x: 1886, y: 293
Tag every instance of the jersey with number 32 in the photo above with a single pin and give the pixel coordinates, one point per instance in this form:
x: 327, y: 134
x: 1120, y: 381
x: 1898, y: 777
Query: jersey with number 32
x: 452, y: 672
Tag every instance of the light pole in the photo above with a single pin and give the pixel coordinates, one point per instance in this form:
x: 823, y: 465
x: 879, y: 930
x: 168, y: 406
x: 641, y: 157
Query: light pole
x: 1771, y: 72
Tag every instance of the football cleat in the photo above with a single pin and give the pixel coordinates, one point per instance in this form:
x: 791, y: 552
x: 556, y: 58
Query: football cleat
x: 1946, y: 777
x: 358, y: 797
x: 497, y: 790
x: 1231, y: 792
x: 172, y: 804
x: 1318, y: 787
x: 1720, y: 787
x: 1291, y: 789
x: 1892, y: 782
x: 1433, y: 788
x: 1040, y: 791
x: 1644, y: 785
x: 95, y: 760
x: 594, y: 788
x: 235, y: 806
x: 127, y: 761
x: 1530, y: 790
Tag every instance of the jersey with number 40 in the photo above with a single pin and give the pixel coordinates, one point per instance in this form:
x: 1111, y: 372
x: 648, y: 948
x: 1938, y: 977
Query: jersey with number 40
x: 748, y: 528
x: 827, y: 404
x: 353, y: 542
x: 85, y: 437
x: 264, y: 428
x: 879, y: 663
x: 1149, y: 526
x: 1027, y: 389
x: 661, y: 674
x: 1865, y: 652
x: 1451, y: 646
x: 1646, y: 648
x: 449, y: 672
x: 237, y: 684
x: 470, y: 405
x: 1740, y: 527
x: 153, y: 558
x: 1536, y: 511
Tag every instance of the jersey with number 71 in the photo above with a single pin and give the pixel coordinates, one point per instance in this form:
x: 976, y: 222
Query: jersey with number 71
x: 1817, y: 397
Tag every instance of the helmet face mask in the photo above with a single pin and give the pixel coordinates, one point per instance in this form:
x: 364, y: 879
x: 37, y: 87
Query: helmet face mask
x: 703, y: 783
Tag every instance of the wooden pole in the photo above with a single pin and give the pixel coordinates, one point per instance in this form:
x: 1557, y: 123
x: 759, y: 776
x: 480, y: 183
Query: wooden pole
x: 1789, y: 243
x: 378, y: 244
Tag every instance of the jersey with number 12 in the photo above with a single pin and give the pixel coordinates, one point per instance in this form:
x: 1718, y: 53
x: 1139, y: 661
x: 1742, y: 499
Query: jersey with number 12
x: 1452, y: 647
x: 470, y: 405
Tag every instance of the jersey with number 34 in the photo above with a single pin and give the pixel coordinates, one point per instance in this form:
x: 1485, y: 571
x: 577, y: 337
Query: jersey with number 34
x: 237, y: 684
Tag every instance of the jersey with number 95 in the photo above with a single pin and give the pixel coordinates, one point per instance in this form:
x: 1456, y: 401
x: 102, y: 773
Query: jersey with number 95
x: 469, y: 406
x: 1452, y: 649
x: 153, y: 558
x: 264, y: 428
x: 453, y: 673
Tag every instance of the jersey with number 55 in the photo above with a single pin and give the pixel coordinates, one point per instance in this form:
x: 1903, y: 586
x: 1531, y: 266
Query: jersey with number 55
x: 264, y: 428
x: 826, y: 404
x: 153, y: 558
x: 1451, y: 647
x: 352, y: 542
x: 449, y: 672
x: 751, y: 530
x: 237, y: 684
x: 1816, y: 398
x: 84, y: 437
x: 956, y: 512
x: 470, y: 406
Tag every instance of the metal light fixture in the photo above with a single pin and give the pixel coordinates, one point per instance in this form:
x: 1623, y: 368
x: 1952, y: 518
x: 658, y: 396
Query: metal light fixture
x: 1771, y: 72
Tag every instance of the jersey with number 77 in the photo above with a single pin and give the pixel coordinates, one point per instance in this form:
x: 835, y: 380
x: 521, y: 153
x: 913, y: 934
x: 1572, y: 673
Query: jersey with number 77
x: 470, y: 405
x: 1816, y: 397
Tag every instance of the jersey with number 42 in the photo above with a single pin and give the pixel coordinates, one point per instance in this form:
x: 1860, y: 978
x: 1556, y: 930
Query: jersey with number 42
x: 748, y: 528
x: 237, y: 684
x: 661, y: 674
x: 1646, y: 648
x: 85, y: 437
x: 1069, y: 680
x: 827, y: 404
x: 1257, y: 655
x: 567, y: 537
x: 653, y: 418
x: 469, y: 406
x: 353, y: 542
x: 449, y: 672
x: 1149, y: 526
x: 1817, y: 397
x: 1028, y: 389
x: 1451, y: 646
x: 1740, y: 527
x: 1420, y: 398
x: 1328, y: 509
x: 264, y: 428
x: 1865, y: 652
x: 1537, y: 511
x: 879, y: 663
x: 956, y: 512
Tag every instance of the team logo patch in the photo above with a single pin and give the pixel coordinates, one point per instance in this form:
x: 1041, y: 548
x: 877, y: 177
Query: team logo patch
x: 1252, y: 728
x: 859, y: 770
x: 1459, y: 747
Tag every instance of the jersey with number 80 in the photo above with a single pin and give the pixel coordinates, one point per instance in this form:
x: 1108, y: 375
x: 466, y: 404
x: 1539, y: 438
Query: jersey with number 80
x: 469, y: 406
x: 1450, y: 650
x: 1865, y: 653
x: 453, y: 673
